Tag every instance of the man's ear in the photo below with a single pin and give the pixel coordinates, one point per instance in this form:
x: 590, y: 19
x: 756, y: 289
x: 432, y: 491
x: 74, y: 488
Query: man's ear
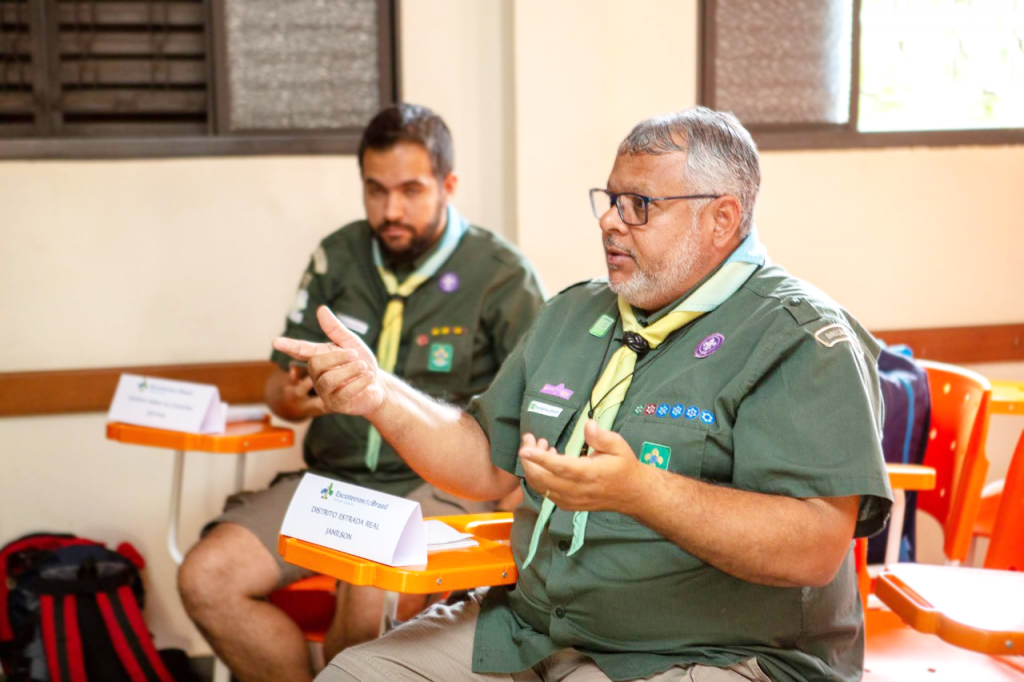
x: 727, y: 212
x: 450, y: 184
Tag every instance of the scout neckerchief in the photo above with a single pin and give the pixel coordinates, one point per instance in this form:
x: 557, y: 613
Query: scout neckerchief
x: 618, y: 375
x: 391, y: 326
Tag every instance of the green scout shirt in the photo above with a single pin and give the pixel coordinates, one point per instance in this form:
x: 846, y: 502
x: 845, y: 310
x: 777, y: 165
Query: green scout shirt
x: 788, y: 404
x: 487, y: 300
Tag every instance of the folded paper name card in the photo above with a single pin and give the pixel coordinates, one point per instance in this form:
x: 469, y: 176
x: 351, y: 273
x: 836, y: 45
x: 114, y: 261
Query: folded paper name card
x: 357, y: 521
x: 167, y: 404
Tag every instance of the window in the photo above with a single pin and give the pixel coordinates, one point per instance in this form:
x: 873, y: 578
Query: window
x: 837, y: 73
x: 116, y: 78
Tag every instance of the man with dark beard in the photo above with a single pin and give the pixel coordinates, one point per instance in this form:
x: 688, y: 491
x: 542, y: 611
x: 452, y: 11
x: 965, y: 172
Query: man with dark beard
x: 442, y: 303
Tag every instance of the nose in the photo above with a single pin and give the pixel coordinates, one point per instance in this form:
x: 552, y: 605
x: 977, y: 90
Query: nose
x: 394, y: 210
x: 611, y: 222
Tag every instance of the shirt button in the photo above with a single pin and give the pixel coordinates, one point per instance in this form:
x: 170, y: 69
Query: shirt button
x: 559, y: 612
x: 795, y: 300
x: 563, y: 545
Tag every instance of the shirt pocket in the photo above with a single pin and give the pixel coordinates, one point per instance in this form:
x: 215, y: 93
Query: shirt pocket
x: 441, y: 366
x: 672, y: 445
x: 546, y: 417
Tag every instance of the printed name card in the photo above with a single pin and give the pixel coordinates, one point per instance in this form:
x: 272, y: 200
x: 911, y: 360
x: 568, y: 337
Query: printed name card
x: 357, y: 521
x: 167, y: 404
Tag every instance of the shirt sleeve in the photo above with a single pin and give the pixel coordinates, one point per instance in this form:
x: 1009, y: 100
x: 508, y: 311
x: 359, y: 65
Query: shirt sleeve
x: 811, y: 427
x: 301, y: 322
x: 498, y: 409
x: 510, y: 307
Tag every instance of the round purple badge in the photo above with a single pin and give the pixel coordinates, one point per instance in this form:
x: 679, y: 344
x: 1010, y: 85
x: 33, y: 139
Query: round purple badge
x: 449, y: 282
x: 709, y: 345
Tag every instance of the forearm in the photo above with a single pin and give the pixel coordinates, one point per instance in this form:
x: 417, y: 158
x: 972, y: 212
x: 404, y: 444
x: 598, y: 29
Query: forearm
x: 768, y: 539
x: 441, y: 443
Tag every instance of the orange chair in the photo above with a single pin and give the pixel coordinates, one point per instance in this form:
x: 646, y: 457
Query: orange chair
x: 956, y: 449
x: 1006, y: 548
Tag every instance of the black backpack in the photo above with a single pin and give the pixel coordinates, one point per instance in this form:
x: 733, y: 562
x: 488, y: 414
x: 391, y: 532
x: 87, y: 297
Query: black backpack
x: 71, y: 611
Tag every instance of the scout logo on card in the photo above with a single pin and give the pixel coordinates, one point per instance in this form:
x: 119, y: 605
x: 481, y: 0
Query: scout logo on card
x: 709, y: 345
x: 144, y: 385
x: 663, y: 410
x: 677, y: 411
x: 448, y: 283
x: 559, y: 391
x: 832, y: 334
x: 650, y: 408
x: 544, y: 408
x: 656, y: 454
x: 327, y: 492
x: 440, y: 358
x: 603, y: 324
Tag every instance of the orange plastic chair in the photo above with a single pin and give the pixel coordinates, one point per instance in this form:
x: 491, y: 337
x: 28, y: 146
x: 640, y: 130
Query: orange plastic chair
x: 1006, y: 547
x: 310, y: 603
x: 956, y: 449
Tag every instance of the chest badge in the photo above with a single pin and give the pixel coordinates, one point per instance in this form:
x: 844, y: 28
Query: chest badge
x: 440, y: 357
x: 602, y: 325
x: 656, y: 454
x: 449, y: 283
x: 559, y: 391
x: 709, y: 345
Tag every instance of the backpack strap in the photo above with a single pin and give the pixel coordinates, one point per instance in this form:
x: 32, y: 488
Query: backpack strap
x: 129, y: 636
x: 62, y: 641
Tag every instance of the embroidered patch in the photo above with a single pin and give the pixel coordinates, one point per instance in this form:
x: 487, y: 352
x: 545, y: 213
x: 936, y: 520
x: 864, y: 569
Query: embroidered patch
x: 677, y: 410
x: 662, y: 410
x: 707, y: 416
x: 656, y: 454
x: 545, y: 409
x: 692, y: 412
x: 639, y: 409
x: 650, y: 408
x: 448, y: 283
x: 709, y: 345
x: 358, y: 326
x: 559, y: 391
x: 422, y: 340
x: 440, y: 357
x: 601, y: 327
x: 301, y: 301
x: 320, y: 261
x: 832, y: 334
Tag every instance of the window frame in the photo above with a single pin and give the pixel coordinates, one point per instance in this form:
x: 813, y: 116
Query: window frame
x: 213, y: 144
x: 841, y: 136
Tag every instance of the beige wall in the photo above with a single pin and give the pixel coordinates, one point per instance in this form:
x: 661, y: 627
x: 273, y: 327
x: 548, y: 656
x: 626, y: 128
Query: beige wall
x: 100, y: 266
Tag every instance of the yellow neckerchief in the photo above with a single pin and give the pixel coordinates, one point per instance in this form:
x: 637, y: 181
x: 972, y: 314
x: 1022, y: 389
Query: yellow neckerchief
x: 614, y: 382
x: 391, y: 325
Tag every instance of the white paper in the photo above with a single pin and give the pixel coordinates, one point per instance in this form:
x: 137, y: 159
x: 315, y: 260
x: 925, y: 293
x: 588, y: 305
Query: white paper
x: 441, y: 536
x: 245, y: 413
x: 357, y: 521
x: 167, y: 404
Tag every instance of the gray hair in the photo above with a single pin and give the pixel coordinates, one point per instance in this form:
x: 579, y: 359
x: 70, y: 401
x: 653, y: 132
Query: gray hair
x: 721, y: 156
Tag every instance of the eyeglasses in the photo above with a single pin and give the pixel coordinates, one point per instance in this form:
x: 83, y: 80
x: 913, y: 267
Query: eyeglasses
x: 632, y: 207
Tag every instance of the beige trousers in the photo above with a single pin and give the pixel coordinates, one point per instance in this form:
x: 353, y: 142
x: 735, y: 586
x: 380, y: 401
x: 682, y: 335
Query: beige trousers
x: 438, y: 646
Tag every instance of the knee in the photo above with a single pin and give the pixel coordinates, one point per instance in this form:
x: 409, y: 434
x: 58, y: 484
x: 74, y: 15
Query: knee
x: 203, y: 578
x: 223, y: 567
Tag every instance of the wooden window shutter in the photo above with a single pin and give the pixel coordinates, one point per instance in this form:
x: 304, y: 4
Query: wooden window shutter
x: 19, y: 115
x: 126, y: 68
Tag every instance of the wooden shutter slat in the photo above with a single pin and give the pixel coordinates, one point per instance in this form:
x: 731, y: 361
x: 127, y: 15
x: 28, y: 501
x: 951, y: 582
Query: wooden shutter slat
x: 13, y: 14
x: 16, y: 102
x: 134, y: 72
x: 83, y: 42
x: 134, y: 129
x: 121, y: 102
x: 131, y: 14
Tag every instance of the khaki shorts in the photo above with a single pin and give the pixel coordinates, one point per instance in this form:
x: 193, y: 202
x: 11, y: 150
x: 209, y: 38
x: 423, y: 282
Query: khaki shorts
x: 262, y: 512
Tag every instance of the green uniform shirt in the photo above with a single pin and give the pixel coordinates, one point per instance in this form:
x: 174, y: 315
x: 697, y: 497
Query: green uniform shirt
x: 457, y: 330
x: 786, y: 402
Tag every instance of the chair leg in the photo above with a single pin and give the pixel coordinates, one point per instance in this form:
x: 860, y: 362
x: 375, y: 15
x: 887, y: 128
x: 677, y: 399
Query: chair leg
x: 220, y: 671
x: 316, y: 656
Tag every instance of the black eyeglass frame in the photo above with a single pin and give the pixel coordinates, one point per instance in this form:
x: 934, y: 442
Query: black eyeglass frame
x: 614, y: 199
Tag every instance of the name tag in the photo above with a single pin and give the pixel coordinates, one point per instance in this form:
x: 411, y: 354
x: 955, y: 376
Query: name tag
x: 545, y: 409
x: 358, y: 326
x: 167, y: 404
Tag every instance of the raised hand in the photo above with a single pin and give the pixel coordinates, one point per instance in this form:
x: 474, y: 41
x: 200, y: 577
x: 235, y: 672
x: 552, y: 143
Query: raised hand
x: 344, y: 371
x: 608, y: 479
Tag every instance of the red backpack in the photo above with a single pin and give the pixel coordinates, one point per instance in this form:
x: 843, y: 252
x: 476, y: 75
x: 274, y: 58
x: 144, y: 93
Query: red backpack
x: 70, y: 611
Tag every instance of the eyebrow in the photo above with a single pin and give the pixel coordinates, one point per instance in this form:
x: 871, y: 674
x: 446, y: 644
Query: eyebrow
x: 405, y: 183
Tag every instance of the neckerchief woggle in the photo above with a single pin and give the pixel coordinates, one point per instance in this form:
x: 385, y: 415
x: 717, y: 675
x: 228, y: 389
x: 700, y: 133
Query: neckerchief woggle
x: 618, y: 375
x: 391, y: 326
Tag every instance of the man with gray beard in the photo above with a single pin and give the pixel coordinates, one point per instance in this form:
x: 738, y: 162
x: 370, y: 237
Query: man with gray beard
x: 697, y: 440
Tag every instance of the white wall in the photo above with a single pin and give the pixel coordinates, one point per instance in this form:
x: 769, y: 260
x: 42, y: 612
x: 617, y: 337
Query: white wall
x: 99, y: 266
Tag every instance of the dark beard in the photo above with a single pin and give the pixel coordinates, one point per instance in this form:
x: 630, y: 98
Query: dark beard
x: 419, y: 245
